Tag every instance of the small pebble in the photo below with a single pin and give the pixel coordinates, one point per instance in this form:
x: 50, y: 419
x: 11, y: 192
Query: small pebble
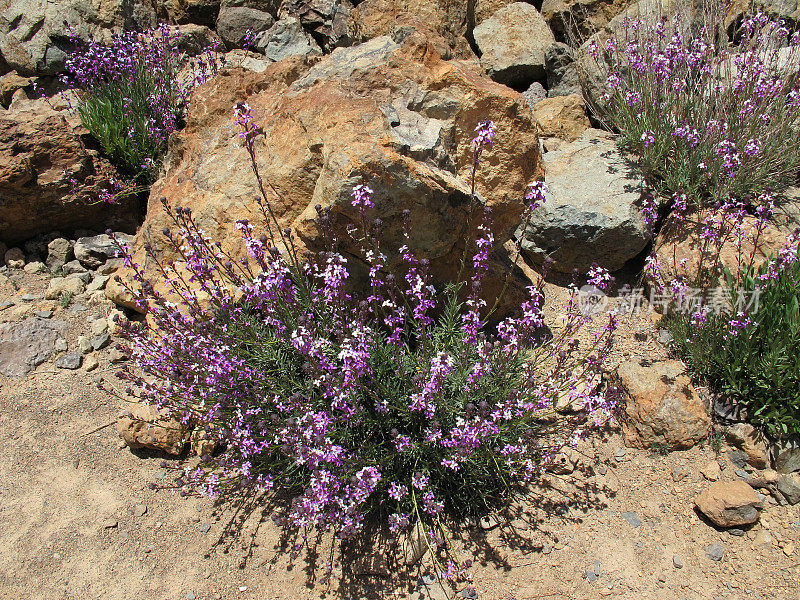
x: 44, y: 314
x: 204, y: 528
x: 715, y: 552
x: 28, y: 298
x: 190, y: 596
x: 632, y: 518
x: 736, y: 532
x: 70, y: 361
x: 677, y: 562
x: 60, y: 345
x: 100, y: 341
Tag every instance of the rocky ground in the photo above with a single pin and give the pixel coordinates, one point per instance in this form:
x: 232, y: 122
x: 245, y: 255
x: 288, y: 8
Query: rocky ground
x: 79, y: 519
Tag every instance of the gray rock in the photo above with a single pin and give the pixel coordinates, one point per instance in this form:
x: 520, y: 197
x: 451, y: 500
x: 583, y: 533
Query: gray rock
x: 95, y: 250
x: 534, y: 94
x: 284, y: 39
x: 234, y: 22
x: 593, y: 208
x: 29, y: 297
x: 326, y: 20
x: 70, y: 361
x: 84, y: 278
x: 562, y: 72
x: 736, y: 532
x: 715, y: 552
x: 205, y: 528
x: 59, y: 253
x: 61, y: 345
x: 43, y: 314
x: 14, y: 258
x: 632, y: 518
x: 25, y: 345
x: 59, y: 286
x: 786, y: 455
x: 677, y: 562
x: 98, y: 283
x: 512, y: 43
x: 72, y: 267
x: 35, y: 267
x: 111, y: 265
x: 789, y: 487
x: 84, y: 344
x: 738, y: 458
x: 100, y: 341
x: 35, y: 35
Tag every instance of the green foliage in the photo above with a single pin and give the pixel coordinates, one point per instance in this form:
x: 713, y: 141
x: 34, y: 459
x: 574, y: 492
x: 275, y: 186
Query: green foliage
x: 66, y: 298
x: 396, y: 375
x: 120, y: 117
x: 758, y: 367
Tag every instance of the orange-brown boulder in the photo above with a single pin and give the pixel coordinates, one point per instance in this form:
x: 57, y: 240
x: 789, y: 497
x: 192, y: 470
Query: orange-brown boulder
x: 49, y: 179
x: 662, y: 407
x: 390, y: 114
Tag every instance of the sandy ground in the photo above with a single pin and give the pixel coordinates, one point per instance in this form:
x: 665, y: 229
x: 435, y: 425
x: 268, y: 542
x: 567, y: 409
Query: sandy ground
x: 78, y: 520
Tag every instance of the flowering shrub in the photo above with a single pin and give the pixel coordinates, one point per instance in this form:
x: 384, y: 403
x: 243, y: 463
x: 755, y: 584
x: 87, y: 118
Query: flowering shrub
x: 752, y: 356
x: 709, y: 120
x: 131, y: 96
x: 396, y: 403
x: 733, y: 313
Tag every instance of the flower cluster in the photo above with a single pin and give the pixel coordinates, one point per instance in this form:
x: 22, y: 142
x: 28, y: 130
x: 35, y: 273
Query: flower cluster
x: 401, y: 405
x: 132, y: 94
x: 710, y: 120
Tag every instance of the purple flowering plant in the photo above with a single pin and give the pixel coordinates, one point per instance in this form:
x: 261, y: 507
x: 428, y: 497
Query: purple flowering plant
x: 709, y: 118
x: 132, y: 94
x: 395, y: 403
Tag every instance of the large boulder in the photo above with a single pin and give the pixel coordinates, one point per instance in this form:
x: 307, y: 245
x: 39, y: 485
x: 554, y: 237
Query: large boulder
x: 388, y: 114
x: 443, y: 22
x: 238, y: 18
x: 576, y: 20
x: 593, y: 207
x: 563, y: 117
x: 35, y: 34
x: 663, y: 409
x: 327, y: 20
x: 512, y: 44
x: 25, y: 345
x: 729, y: 504
x: 49, y: 179
x: 284, y: 39
x: 480, y: 10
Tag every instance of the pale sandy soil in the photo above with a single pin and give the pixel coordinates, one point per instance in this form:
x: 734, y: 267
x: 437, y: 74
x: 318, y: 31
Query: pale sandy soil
x: 78, y: 521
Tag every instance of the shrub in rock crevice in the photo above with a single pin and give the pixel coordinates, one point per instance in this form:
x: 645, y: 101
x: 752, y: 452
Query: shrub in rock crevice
x: 396, y: 404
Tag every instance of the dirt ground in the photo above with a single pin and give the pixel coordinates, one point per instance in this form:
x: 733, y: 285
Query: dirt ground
x: 79, y: 521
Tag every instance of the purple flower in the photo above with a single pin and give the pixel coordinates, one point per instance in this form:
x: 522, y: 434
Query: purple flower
x: 362, y: 196
x: 419, y: 481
